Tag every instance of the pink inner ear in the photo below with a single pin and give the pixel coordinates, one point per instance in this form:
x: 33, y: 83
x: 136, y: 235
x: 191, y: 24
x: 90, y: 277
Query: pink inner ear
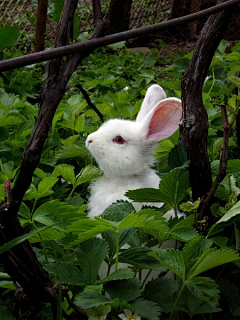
x: 165, y: 121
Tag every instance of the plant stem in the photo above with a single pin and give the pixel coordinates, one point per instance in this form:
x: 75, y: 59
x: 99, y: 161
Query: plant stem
x: 117, y: 251
x: 175, y: 304
x: 71, y: 193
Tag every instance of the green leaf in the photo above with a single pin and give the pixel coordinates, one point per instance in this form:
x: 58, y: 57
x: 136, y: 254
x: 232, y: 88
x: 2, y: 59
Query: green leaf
x: 146, y: 309
x: 66, y: 171
x: 6, y: 314
x: 12, y: 243
x: 139, y: 257
x: 58, y: 6
x: 171, y: 259
x: 124, y: 290
x: 86, y: 229
x: 71, y: 151
x: 90, y: 299
x: 196, y: 306
x: 8, y: 35
x: 161, y: 291
x: 46, y: 184
x: 173, y: 186
x: 145, y: 219
x: 119, y: 274
x: 90, y: 255
x: 195, y: 248
x: 87, y: 174
x: 66, y: 272
x: 212, y: 258
x: 235, y: 80
x: 145, y: 195
x: 234, y: 212
x: 172, y: 189
x: 58, y: 214
x: 205, y: 289
x: 183, y: 234
x: 229, y: 217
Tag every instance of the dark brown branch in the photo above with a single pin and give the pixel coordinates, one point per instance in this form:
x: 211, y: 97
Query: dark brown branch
x: 97, y: 18
x: 194, y: 130
x: 39, y: 42
x: 103, y: 41
x: 21, y: 262
x: 222, y: 165
x: 89, y: 102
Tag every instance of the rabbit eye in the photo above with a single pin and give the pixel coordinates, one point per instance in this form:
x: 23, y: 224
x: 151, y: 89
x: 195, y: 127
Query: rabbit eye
x: 119, y: 140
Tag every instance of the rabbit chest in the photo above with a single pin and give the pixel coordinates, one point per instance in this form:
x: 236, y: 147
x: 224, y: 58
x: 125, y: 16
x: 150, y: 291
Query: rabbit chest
x: 105, y: 191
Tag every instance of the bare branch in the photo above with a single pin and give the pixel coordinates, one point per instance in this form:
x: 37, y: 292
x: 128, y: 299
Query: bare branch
x: 194, y: 130
x: 103, y: 41
x: 89, y: 102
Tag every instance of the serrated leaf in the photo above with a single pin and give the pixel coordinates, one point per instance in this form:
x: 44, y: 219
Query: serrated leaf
x: 171, y: 259
x: 58, y: 213
x: 46, y: 184
x: 229, y: 217
x: 46, y: 235
x: 86, y: 229
x: 195, y: 305
x: 205, y: 289
x: 87, y: 174
x: 235, y: 80
x: 124, y: 290
x: 146, y: 309
x: 90, y: 255
x: 90, y: 299
x: 212, y: 258
x: 145, y: 219
x: 161, y: 291
x: 173, y: 186
x: 184, y: 234
x: 144, y: 195
x: 232, y: 213
x: 71, y: 151
x: 66, y: 171
x: 119, y: 274
x: 139, y: 257
x: 66, y: 272
x: 118, y: 211
x: 195, y: 248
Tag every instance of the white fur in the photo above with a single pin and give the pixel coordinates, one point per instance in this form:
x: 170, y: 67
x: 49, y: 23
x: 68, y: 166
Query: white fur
x: 127, y: 166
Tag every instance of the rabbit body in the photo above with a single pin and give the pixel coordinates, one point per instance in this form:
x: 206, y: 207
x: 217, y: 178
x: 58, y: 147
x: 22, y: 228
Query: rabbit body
x: 103, y: 195
x: 123, y: 150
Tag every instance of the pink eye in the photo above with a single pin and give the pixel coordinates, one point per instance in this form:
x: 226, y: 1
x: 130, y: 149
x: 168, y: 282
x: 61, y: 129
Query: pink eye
x: 119, y: 140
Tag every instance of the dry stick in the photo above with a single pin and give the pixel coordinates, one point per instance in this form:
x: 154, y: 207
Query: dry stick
x: 89, y: 102
x: 103, y: 41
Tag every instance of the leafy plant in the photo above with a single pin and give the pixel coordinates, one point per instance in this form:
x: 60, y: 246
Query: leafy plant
x: 115, y: 265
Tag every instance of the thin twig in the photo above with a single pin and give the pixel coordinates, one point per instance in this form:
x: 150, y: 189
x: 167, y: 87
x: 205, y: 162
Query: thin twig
x: 89, y: 102
x: 223, y: 162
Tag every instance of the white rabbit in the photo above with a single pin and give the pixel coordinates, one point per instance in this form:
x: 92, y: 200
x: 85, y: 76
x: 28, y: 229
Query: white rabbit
x: 123, y: 150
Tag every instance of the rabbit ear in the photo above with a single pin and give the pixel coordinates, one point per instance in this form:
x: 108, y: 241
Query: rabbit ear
x: 163, y: 120
x: 154, y: 94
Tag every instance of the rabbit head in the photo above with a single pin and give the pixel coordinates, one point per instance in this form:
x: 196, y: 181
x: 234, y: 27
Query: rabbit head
x: 124, y: 147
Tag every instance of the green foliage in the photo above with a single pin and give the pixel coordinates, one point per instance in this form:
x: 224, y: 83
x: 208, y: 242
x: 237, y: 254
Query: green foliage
x: 8, y: 36
x: 124, y: 260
